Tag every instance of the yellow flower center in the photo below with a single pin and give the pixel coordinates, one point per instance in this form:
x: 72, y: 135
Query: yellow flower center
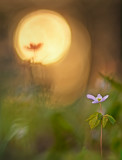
x: 99, y: 99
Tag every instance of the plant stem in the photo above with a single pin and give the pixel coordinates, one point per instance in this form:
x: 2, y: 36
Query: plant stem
x: 101, y: 139
x: 101, y: 132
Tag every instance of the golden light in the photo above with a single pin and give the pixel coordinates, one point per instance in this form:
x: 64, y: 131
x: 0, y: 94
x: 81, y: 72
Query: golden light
x: 42, y: 37
x: 69, y: 77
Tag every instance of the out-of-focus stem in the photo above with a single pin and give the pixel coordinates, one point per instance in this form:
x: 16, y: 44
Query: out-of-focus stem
x: 101, y: 139
x: 31, y: 75
x: 101, y: 132
x: 30, y: 70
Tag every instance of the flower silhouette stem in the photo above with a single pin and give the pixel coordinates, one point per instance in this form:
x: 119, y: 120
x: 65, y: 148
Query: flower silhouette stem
x: 34, y: 55
x: 31, y: 75
x: 101, y: 132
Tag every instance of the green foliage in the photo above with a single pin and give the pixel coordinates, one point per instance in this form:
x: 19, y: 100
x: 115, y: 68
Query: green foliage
x: 110, y: 118
x: 92, y: 116
x: 30, y: 130
x: 94, y: 120
x: 100, y: 116
x: 104, y: 121
x: 106, y: 118
x: 97, y: 117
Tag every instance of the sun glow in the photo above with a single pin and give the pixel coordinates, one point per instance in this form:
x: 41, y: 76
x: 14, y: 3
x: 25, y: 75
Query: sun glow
x: 42, y: 37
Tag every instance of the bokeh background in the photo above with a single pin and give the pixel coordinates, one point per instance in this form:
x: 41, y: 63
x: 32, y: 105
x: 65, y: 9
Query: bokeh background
x: 43, y: 108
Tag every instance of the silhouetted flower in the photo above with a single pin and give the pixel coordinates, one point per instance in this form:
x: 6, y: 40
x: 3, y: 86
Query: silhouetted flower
x: 33, y: 46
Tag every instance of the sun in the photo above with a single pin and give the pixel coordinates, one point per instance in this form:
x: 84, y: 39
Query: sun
x: 42, y: 37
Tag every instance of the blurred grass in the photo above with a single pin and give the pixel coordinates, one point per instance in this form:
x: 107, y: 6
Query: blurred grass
x: 31, y: 128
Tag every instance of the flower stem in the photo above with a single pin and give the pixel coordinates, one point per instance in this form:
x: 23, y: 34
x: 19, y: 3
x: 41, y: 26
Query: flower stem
x: 101, y: 132
x: 101, y: 139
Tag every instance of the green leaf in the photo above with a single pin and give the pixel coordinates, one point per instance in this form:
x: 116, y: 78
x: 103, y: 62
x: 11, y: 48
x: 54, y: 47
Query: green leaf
x: 94, y: 119
x: 104, y: 121
x: 100, y: 116
x: 94, y: 122
x: 110, y: 118
x: 92, y: 116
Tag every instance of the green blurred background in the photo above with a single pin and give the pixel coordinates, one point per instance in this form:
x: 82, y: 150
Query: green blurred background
x: 34, y: 127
